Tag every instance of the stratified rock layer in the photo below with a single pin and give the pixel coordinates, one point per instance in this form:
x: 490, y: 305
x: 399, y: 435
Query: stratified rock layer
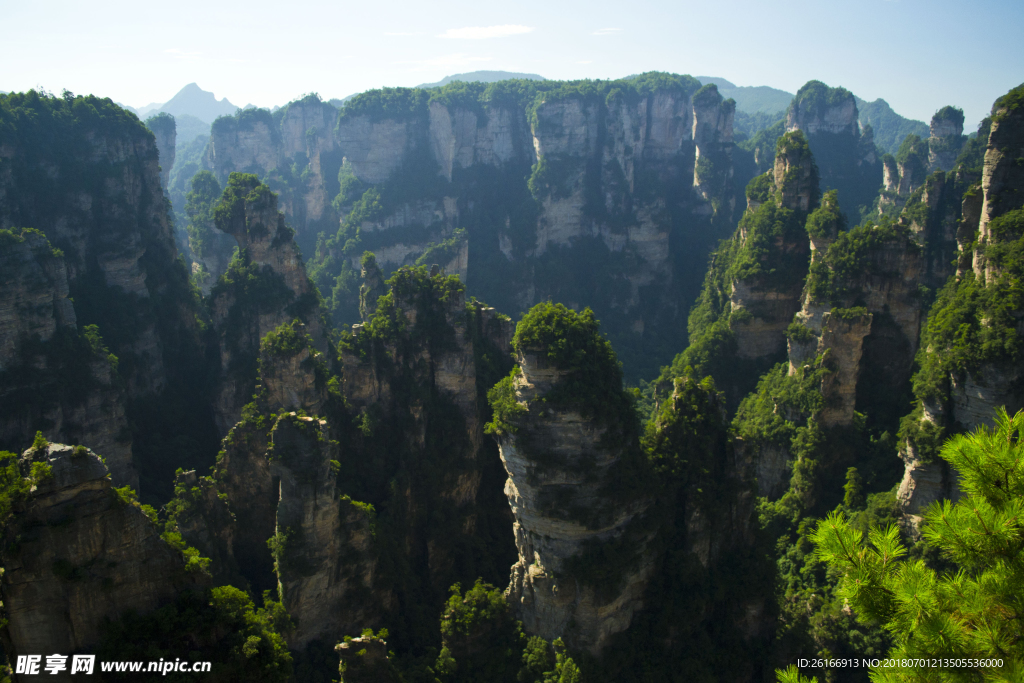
x: 556, y: 470
x: 84, y: 554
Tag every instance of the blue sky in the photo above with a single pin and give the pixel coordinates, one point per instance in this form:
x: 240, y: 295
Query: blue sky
x: 918, y: 55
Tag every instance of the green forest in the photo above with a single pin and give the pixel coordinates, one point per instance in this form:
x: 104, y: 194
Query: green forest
x: 738, y: 406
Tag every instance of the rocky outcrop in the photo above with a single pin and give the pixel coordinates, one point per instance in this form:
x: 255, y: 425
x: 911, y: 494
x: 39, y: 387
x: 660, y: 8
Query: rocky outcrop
x: 845, y: 154
x: 110, y: 219
x: 314, y: 537
x: 271, y: 517
x: 242, y: 316
x: 820, y: 109
x: 712, y: 136
x: 165, y: 131
x: 925, y: 482
x: 1001, y: 179
x: 365, y: 660
x: 761, y: 306
x: 295, y: 149
x: 796, y: 176
x: 52, y: 378
x: 85, y: 553
x: 946, y: 138
x: 557, y: 468
x: 969, y: 389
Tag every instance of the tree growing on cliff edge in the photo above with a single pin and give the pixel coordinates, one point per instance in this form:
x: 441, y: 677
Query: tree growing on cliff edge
x: 973, y: 615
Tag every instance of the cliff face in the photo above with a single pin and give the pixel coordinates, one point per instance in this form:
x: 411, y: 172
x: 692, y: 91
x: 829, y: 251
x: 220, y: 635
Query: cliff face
x: 557, y: 470
x: 102, y: 205
x: 961, y: 384
x: 461, y: 138
x: 1001, y: 181
x: 846, y: 156
x: 292, y: 501
x: 84, y: 554
x: 946, y: 138
x: 165, y: 132
x: 270, y: 516
x: 315, y: 536
x: 294, y: 150
x: 87, y: 174
x: 269, y: 288
x: 52, y: 378
x: 624, y: 180
x: 431, y: 392
x: 762, y: 304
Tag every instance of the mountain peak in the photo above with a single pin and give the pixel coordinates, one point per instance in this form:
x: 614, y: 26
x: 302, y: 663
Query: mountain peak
x: 202, y: 104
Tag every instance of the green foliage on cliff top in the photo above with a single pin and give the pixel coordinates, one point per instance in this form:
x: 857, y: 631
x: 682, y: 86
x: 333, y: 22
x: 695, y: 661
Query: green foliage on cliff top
x: 827, y: 221
x: 849, y: 258
x: 287, y: 339
x: 229, y: 213
x: 816, y: 98
x: 1008, y: 103
x: 246, y: 120
x: 707, y: 96
x: 387, y: 103
x: 56, y: 125
x: 161, y: 123
x: 402, y: 104
x: 572, y: 342
x: 949, y: 113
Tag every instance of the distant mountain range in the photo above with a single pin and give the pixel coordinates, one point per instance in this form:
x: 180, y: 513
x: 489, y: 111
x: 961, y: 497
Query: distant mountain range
x: 482, y: 77
x: 751, y: 99
x: 190, y: 101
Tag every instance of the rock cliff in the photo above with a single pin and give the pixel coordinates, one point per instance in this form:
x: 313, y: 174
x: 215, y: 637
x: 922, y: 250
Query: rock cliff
x: 846, y: 155
x: 52, y: 378
x: 84, y: 553
x: 946, y: 138
x: 774, y: 248
x: 87, y: 174
x: 165, y: 132
x: 267, y: 288
x: 537, y: 178
x: 294, y: 150
x: 558, y: 474
x: 962, y: 379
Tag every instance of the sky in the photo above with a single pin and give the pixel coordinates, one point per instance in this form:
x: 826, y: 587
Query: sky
x: 918, y: 55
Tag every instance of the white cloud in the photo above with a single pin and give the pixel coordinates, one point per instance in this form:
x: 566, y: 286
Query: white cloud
x: 459, y: 59
x: 586, y: 61
x: 606, y: 31
x: 482, y: 32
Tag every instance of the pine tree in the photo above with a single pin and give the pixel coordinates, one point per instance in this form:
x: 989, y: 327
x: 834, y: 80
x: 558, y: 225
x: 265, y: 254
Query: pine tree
x: 976, y: 613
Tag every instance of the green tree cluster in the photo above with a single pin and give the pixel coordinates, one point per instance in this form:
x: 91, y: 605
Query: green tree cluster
x: 972, y: 613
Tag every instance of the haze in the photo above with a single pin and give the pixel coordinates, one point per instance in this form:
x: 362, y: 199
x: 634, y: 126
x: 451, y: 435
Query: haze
x: 917, y: 55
